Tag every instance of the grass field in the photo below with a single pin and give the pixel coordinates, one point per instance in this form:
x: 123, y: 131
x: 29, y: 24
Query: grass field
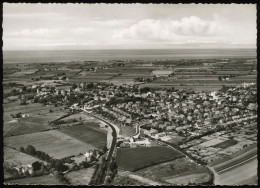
x: 15, y: 158
x: 41, y: 180
x: 178, y: 168
x: 54, y: 143
x: 225, y: 144
x: 87, y: 134
x: 80, y: 177
x: 36, y: 122
x: 127, y: 131
x: 187, y: 179
x: 126, y: 181
x: 133, y: 158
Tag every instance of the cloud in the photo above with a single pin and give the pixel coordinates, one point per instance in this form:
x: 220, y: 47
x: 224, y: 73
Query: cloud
x: 167, y: 29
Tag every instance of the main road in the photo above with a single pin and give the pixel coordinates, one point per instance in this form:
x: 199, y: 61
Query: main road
x: 115, y: 132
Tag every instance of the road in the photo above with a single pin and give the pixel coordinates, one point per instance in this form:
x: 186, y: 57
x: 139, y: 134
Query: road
x: 113, y: 144
x: 235, y: 170
x: 137, y: 133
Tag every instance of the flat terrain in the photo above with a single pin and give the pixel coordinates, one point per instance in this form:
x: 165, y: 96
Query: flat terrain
x: 38, y: 119
x: 86, y: 134
x: 41, y: 180
x: 176, y: 172
x: 80, y: 177
x: 54, y: 143
x: 16, y: 158
x: 133, y: 158
x: 187, y: 179
x: 121, y: 180
x: 127, y: 131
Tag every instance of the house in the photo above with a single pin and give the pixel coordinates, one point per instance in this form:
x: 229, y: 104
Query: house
x: 162, y: 126
x: 139, y: 142
x: 159, y: 135
x: 151, y: 132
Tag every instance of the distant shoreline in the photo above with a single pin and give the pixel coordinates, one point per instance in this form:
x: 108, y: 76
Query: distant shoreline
x: 67, y: 56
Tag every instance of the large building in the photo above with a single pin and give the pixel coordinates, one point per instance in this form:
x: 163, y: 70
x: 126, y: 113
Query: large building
x: 159, y: 73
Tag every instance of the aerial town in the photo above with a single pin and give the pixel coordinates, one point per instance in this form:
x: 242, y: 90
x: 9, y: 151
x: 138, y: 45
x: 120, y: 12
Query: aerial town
x: 102, y: 131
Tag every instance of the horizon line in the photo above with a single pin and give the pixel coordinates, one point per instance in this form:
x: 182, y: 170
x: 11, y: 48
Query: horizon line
x: 134, y: 49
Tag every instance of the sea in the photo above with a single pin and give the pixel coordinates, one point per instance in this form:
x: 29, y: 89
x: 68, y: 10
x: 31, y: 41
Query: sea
x: 53, y: 56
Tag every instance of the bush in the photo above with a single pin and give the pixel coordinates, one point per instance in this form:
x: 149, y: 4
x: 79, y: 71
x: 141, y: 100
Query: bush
x: 36, y: 166
x: 30, y: 150
x: 22, y: 149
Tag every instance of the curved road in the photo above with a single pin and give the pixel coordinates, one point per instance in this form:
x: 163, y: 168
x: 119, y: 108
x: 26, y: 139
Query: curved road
x: 112, y: 146
x: 114, y: 134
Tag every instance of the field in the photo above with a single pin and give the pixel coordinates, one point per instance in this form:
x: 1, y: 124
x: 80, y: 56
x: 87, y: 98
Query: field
x: 177, y: 169
x: 37, y: 121
x: 192, y: 178
x: 226, y: 144
x: 15, y: 158
x: 126, y: 181
x: 212, y: 142
x: 127, y: 131
x: 54, y: 143
x: 80, y: 177
x: 87, y: 134
x: 134, y: 158
x: 41, y: 180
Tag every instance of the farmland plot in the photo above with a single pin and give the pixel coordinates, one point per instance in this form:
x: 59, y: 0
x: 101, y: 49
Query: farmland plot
x: 54, y: 143
x: 87, y: 135
x: 178, y: 169
x: 80, y: 177
x: 33, y: 123
x: 16, y: 158
x: 134, y: 158
x: 41, y: 180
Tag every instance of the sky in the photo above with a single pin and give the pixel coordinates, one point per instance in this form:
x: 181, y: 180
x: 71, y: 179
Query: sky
x: 128, y: 26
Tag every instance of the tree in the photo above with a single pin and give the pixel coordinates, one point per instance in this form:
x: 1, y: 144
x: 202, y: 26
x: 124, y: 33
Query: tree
x: 30, y: 150
x: 59, y: 166
x: 145, y: 90
x: 36, y: 165
x: 22, y: 149
x: 74, y: 86
x: 90, y: 86
x: 24, y: 88
x: 39, y: 154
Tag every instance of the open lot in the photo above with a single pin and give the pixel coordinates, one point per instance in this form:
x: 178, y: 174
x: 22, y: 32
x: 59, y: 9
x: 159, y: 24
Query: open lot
x: 80, y: 177
x: 41, y: 180
x: 177, y: 170
x: 134, y: 158
x: 54, y: 143
x: 87, y: 134
x: 127, y: 131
